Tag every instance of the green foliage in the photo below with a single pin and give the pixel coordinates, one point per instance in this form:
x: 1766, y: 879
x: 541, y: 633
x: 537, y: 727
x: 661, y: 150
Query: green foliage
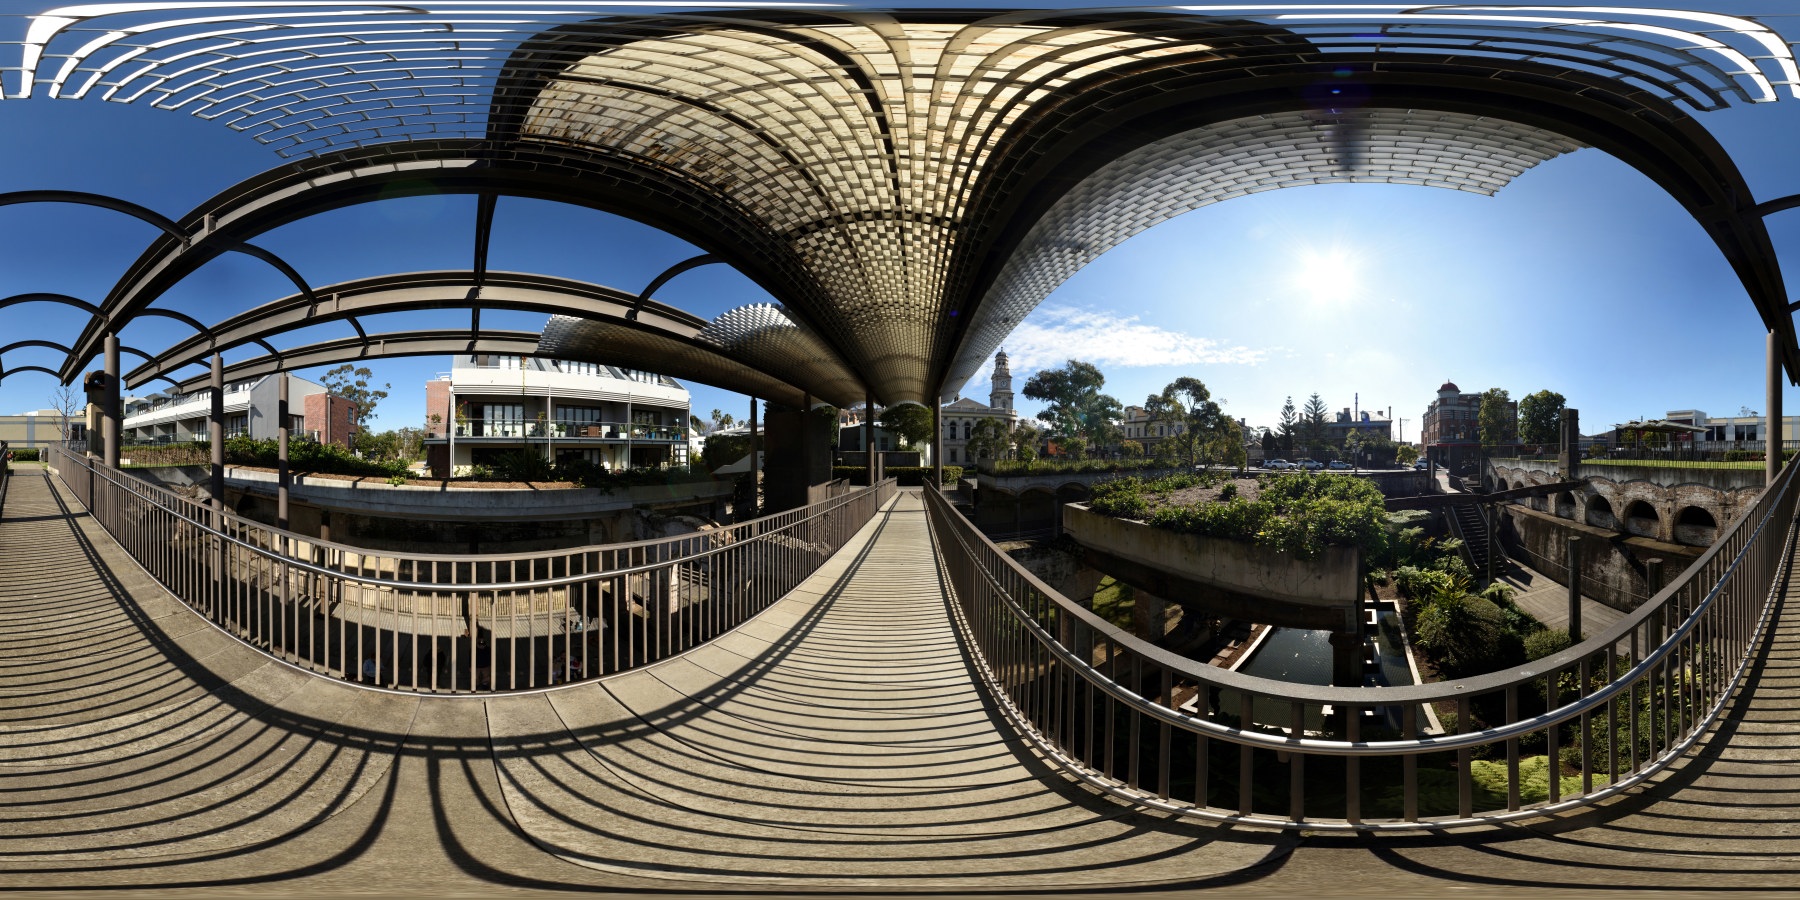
x: 1540, y: 417
x: 1196, y: 425
x: 908, y: 421
x: 351, y: 383
x: 1313, y: 419
x: 724, y: 449
x: 1289, y: 428
x: 1074, y: 405
x: 1498, y: 424
x: 1406, y: 454
x: 396, y: 480
x: 1535, y: 772
x: 307, y: 456
x: 1460, y: 632
x: 1546, y: 642
x: 1299, y: 514
x: 25, y: 454
x: 1065, y: 466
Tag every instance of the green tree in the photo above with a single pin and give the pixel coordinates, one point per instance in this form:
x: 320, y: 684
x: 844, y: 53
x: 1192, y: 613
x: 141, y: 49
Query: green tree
x: 1195, y: 423
x: 1271, y: 445
x: 1290, y: 426
x: 1076, y: 407
x: 1313, y: 419
x: 352, y: 384
x: 697, y: 424
x: 1540, y: 417
x: 909, y: 422
x: 1498, y: 423
x: 1406, y: 454
x: 1025, y: 440
x: 990, y: 439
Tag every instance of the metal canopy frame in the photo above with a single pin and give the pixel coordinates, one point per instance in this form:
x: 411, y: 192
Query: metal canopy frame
x: 375, y: 346
x: 889, y: 176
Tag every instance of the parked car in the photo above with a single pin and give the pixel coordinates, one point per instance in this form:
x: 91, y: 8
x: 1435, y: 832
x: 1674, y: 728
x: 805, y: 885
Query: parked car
x: 1338, y: 464
x: 1277, y: 464
x: 1311, y: 465
x: 1422, y: 465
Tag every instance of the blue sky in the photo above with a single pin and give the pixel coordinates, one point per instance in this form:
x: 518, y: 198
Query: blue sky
x: 1581, y: 277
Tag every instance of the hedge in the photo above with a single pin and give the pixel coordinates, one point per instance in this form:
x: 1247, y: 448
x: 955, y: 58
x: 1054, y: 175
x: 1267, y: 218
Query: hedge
x: 907, y: 476
x: 25, y: 454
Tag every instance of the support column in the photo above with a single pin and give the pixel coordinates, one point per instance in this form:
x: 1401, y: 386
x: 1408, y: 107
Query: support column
x: 1347, y: 657
x: 1772, y: 465
x: 869, y: 434
x: 283, y: 477
x: 215, y: 428
x: 1573, y: 555
x: 450, y: 438
x: 937, y: 446
x: 109, y: 412
x: 755, y: 457
x: 806, y: 444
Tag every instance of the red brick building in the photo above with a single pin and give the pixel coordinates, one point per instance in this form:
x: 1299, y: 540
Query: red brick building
x: 331, y: 419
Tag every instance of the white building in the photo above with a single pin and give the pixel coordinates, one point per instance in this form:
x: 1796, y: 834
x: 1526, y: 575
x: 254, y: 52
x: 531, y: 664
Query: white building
x: 490, y: 405
x: 959, y: 416
x: 251, y: 409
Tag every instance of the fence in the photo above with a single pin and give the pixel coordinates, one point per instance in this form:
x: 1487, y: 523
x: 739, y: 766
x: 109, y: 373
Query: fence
x: 1175, y: 734
x: 5, y: 474
x: 463, y: 623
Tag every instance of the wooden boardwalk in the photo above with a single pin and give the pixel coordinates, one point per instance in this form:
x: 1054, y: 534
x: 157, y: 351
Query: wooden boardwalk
x: 834, y: 745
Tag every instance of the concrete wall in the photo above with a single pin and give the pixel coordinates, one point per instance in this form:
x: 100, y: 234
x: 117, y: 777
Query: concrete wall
x: 1670, y: 506
x: 1612, y: 564
x: 1332, y: 580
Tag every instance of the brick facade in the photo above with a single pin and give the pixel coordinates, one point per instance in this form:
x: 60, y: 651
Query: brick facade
x: 334, y: 418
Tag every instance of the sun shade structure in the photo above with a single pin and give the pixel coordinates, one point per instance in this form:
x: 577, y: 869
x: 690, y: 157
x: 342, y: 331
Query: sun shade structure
x: 908, y: 185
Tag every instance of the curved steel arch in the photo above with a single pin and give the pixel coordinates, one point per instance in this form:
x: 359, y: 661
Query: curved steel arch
x: 51, y: 372
x: 715, y: 350
x: 63, y: 299
x: 400, y: 343
x: 52, y: 345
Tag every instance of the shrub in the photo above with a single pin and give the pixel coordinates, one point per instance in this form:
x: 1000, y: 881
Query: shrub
x: 25, y: 454
x: 1546, y: 642
x: 1461, y: 632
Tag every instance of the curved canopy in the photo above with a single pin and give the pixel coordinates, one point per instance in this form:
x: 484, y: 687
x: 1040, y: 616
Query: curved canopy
x: 910, y: 184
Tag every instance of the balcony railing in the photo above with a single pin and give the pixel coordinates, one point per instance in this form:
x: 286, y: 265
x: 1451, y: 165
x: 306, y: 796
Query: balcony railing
x: 566, y: 429
x: 1172, y: 733
x: 456, y: 624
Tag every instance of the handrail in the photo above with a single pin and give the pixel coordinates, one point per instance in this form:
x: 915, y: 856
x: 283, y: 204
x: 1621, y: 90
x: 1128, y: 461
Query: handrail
x: 1033, y: 643
x: 5, y: 473
x: 463, y: 624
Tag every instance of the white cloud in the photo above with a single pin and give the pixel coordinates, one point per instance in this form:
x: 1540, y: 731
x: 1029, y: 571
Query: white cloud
x: 1055, y: 334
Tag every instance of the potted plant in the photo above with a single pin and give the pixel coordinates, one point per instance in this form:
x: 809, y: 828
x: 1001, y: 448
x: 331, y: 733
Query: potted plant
x: 462, y: 418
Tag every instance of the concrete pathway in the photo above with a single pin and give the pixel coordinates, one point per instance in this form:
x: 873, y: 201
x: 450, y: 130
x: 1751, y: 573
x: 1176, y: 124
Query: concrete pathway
x: 1549, y: 601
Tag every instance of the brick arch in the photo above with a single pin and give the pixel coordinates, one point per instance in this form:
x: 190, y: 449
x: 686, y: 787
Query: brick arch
x: 1696, y: 526
x: 1640, y: 517
x: 1599, y: 512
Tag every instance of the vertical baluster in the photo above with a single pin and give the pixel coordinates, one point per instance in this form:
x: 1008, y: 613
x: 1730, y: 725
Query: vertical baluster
x: 1353, y: 766
x: 1164, y: 735
x: 1465, y: 775
x: 1296, y: 762
x: 1512, y: 751
x: 1246, y: 762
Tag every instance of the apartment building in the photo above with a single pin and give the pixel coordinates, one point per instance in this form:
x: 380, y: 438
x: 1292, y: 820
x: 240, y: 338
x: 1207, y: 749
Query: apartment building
x: 251, y: 408
x: 489, y: 405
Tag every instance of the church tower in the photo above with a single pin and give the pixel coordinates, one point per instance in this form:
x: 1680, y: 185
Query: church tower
x: 1002, y: 396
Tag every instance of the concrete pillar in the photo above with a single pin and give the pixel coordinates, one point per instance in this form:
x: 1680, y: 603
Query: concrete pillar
x: 1149, y: 615
x: 283, y: 477
x: 937, y: 446
x: 1772, y: 465
x: 755, y: 456
x: 1573, y: 555
x: 215, y: 428
x: 1569, y: 463
x: 110, y: 424
x: 869, y: 435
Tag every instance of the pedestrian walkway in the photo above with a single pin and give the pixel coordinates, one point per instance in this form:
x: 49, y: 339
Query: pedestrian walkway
x: 1549, y: 601
x: 835, y: 744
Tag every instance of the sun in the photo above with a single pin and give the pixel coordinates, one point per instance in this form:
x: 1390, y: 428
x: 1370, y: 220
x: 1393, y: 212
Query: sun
x: 1327, y: 276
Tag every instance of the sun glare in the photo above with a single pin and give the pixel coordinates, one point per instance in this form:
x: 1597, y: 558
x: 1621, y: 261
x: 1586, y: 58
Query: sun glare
x: 1327, y: 276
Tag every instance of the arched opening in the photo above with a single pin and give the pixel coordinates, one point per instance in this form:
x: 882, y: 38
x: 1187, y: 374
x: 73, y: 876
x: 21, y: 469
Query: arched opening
x: 1696, y: 527
x: 1565, y: 505
x: 1600, y: 513
x: 1641, y: 519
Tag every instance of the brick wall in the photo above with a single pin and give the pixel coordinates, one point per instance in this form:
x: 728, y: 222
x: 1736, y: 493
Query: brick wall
x: 333, y: 417
x: 437, y: 400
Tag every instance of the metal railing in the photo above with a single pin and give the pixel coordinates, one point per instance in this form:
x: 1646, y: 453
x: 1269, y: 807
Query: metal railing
x: 1175, y: 734
x: 439, y: 623
x: 5, y: 473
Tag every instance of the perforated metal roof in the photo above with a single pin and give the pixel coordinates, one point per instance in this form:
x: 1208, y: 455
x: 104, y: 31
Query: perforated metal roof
x: 908, y: 185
